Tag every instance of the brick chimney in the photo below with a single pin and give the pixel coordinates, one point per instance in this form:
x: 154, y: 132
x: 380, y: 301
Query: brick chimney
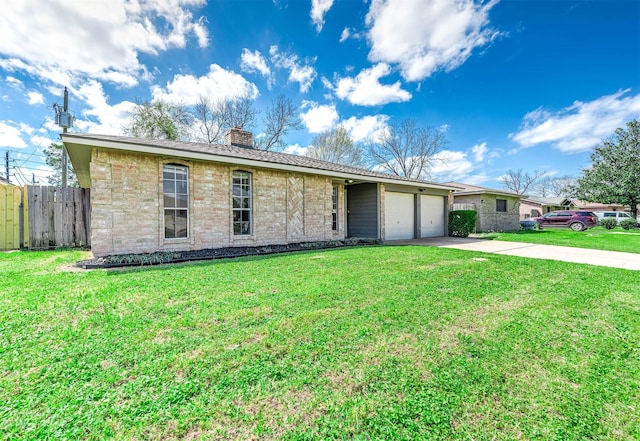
x: 239, y: 138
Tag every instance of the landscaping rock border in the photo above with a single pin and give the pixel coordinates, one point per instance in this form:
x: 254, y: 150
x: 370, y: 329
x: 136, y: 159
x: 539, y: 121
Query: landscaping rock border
x: 164, y: 257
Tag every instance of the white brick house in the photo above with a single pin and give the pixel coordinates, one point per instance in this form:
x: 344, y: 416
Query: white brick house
x: 153, y: 195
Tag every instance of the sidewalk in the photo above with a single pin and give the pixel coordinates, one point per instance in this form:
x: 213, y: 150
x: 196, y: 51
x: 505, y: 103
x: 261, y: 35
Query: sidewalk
x: 612, y: 259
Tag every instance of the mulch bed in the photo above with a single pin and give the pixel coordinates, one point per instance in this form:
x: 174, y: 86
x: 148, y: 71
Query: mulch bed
x: 163, y: 257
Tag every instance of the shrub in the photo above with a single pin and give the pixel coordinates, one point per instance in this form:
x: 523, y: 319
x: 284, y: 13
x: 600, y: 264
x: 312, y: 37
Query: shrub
x: 461, y: 222
x: 609, y: 223
x: 629, y: 224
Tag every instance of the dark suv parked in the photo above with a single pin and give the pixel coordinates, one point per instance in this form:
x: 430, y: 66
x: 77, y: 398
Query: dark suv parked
x: 574, y: 219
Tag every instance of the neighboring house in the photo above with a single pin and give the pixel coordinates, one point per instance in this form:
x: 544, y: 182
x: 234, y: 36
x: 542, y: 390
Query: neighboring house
x: 152, y: 195
x: 497, y: 210
x: 533, y: 206
x: 3, y: 181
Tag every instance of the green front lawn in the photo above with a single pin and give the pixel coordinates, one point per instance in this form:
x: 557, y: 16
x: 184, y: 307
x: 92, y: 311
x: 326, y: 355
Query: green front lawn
x: 597, y: 238
x: 373, y: 343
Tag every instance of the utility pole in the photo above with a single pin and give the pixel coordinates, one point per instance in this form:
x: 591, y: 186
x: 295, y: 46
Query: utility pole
x: 6, y: 166
x: 65, y: 120
x: 65, y: 159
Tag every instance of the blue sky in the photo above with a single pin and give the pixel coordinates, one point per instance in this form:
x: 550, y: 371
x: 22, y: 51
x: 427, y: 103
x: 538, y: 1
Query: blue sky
x: 516, y: 84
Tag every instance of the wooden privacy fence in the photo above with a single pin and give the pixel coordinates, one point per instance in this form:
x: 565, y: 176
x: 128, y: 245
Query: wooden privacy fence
x: 10, y: 213
x: 40, y: 218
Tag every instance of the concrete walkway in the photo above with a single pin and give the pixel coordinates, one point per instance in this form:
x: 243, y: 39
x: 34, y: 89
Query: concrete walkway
x: 612, y: 259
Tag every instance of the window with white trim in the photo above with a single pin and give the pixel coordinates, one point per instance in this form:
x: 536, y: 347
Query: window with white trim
x: 175, y: 188
x: 242, y: 203
x: 334, y: 208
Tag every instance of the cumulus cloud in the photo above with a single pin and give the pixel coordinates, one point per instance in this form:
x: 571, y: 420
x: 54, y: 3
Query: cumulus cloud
x: 11, y: 136
x: 303, y: 74
x: 346, y: 32
x: 478, y: 151
x: 218, y: 84
x: 319, y: 117
x: 367, y: 127
x: 296, y: 150
x: 255, y: 62
x: 102, y: 41
x: 366, y: 90
x: 100, y: 116
x: 424, y: 36
x: 318, y: 10
x: 581, y: 126
x: 35, y: 98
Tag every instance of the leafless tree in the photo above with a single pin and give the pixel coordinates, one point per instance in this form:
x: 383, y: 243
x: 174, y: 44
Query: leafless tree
x: 520, y: 181
x: 335, y: 145
x: 549, y: 186
x: 279, y: 120
x: 407, y: 149
x: 216, y: 118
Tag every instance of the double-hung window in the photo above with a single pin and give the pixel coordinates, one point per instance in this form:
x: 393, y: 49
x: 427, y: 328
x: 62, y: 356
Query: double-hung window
x: 175, y: 185
x: 334, y: 208
x: 242, y: 203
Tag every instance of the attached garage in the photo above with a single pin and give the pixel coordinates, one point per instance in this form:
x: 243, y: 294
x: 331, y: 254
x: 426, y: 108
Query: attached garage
x: 399, y: 216
x: 432, y: 221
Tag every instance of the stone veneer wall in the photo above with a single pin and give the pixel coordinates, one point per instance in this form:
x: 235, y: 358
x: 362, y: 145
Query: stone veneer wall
x: 488, y: 219
x: 127, y: 211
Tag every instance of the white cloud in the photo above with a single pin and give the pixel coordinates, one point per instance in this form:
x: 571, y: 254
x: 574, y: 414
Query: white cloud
x: 101, y: 40
x: 424, y: 36
x: 319, y: 117
x: 304, y: 75
x: 581, y: 126
x: 346, y: 32
x: 101, y: 117
x: 11, y: 136
x: 255, y: 62
x: 318, y: 10
x: 296, y: 150
x: 218, y: 84
x: 35, y: 98
x: 365, y: 89
x: 366, y: 127
x: 478, y: 151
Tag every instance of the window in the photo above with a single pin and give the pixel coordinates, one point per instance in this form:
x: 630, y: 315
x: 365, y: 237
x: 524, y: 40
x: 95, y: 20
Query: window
x: 334, y: 208
x: 175, y: 185
x: 241, y: 203
x: 501, y: 205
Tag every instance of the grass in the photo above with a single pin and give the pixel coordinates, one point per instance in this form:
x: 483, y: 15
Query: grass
x: 393, y: 343
x: 597, y: 238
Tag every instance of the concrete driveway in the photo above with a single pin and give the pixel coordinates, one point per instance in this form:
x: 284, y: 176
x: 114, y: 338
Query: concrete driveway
x: 612, y: 259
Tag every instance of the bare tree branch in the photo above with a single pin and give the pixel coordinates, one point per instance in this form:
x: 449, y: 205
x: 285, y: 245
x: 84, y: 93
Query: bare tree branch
x: 280, y: 119
x: 335, y: 145
x: 519, y: 181
x: 407, y: 149
x: 216, y: 118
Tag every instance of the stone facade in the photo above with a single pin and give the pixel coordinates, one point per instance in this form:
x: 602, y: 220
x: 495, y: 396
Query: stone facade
x: 127, y: 205
x: 488, y: 218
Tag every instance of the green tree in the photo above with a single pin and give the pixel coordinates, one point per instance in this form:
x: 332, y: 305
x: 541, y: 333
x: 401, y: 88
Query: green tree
x: 159, y: 120
x: 53, y: 158
x: 614, y: 175
x: 335, y: 145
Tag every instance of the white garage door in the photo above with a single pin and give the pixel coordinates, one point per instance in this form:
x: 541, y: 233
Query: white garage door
x: 431, y: 216
x: 398, y: 215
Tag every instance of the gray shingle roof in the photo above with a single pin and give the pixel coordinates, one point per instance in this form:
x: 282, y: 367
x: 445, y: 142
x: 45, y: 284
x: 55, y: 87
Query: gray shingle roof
x: 178, y: 148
